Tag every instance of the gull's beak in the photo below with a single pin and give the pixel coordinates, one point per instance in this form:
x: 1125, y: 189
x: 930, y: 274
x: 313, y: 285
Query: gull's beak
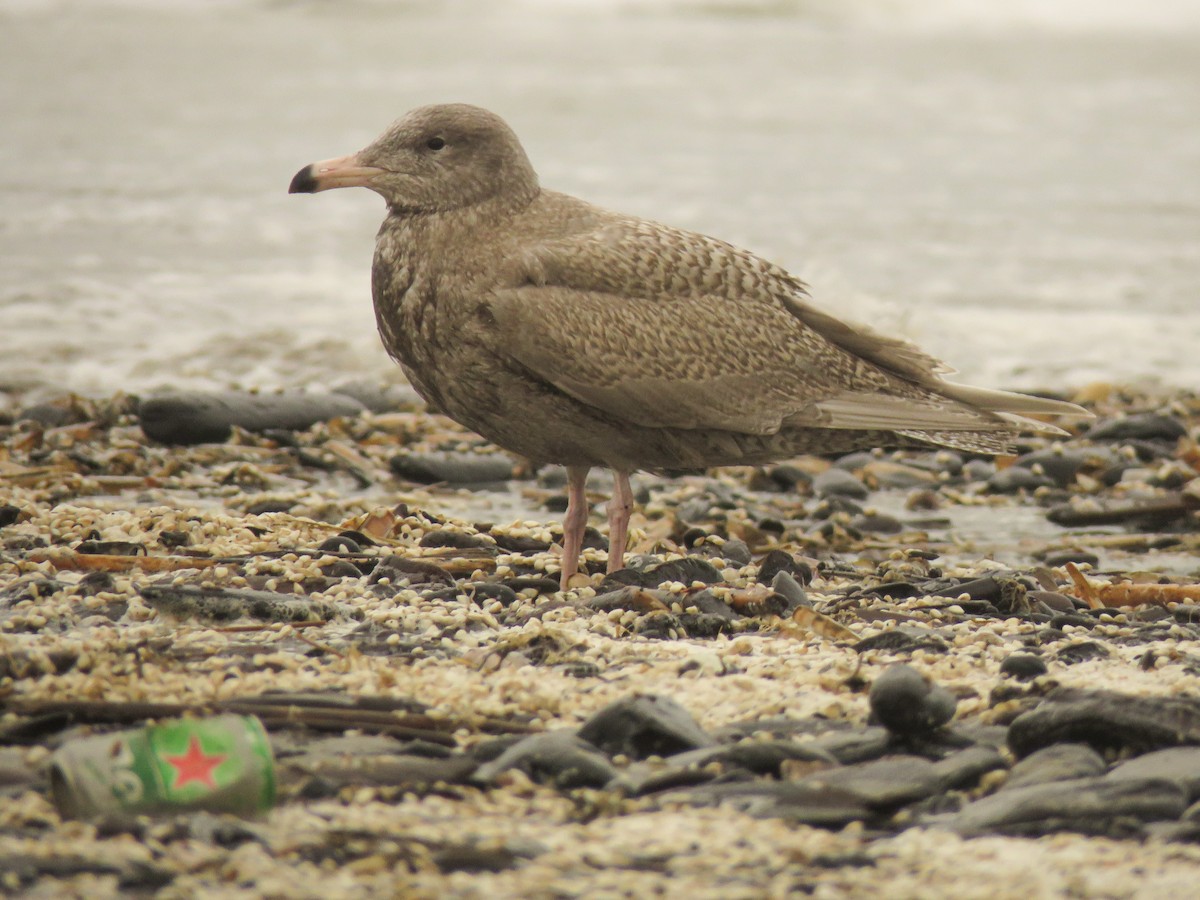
x: 345, y: 171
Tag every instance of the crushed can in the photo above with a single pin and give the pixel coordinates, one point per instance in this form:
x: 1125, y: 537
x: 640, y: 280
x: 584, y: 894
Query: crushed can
x: 219, y: 764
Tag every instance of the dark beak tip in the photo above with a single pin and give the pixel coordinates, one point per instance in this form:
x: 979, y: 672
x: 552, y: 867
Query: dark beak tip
x: 303, y: 182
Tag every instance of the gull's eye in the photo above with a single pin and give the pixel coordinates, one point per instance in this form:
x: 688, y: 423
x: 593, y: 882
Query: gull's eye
x: 435, y: 143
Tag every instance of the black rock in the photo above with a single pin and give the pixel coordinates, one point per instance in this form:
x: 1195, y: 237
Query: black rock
x: 904, y: 639
x: 686, y: 570
x: 9, y: 514
x: 523, y: 545
x: 381, y: 397
x: 1178, y: 764
x: 643, y: 726
x: 780, y: 561
x: 341, y: 568
x: 400, y: 570
x: 339, y: 544
x: 198, y: 418
x: 473, y: 858
x: 1023, y: 666
x: 1053, y: 601
x: 1096, y: 806
x: 452, y: 468
x: 877, y: 523
x: 460, y: 540
x: 1057, y: 464
x: 733, y: 551
x: 1071, y: 555
x: 1140, y: 426
x: 1058, y: 762
x: 1106, y: 720
x: 558, y: 757
x: 788, y: 477
x: 790, y: 590
x: 905, y: 702
x: 1081, y: 652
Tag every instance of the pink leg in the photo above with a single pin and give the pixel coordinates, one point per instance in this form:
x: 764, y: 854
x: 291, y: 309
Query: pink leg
x: 574, y: 522
x: 619, y: 508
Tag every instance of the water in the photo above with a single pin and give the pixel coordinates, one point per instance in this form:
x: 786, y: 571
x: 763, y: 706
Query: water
x: 1016, y: 187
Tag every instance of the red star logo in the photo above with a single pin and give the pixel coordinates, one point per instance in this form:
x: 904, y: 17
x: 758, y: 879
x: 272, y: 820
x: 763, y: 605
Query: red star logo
x: 195, y: 765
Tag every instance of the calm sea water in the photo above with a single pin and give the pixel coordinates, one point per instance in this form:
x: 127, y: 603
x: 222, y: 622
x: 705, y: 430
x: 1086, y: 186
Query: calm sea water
x: 1016, y: 187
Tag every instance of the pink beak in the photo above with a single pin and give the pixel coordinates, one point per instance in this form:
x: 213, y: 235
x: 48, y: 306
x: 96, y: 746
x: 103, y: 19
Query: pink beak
x: 345, y: 171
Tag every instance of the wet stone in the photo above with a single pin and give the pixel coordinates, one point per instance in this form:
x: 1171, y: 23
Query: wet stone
x: 198, y: 418
x: 905, y: 702
x: 1060, y: 466
x: 838, y: 482
x: 1014, y: 479
x: 644, y: 726
x: 1097, y: 806
x: 1058, y: 762
x: 1178, y: 764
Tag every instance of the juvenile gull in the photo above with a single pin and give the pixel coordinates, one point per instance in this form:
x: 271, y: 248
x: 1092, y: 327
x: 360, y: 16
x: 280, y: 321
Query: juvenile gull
x: 571, y: 334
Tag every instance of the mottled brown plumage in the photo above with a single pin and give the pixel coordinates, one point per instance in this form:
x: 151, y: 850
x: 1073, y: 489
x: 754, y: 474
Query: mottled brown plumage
x: 570, y: 334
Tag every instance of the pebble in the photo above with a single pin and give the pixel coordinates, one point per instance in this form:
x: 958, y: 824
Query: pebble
x: 1023, y: 666
x: 905, y: 702
x: 452, y: 468
x: 1138, y: 426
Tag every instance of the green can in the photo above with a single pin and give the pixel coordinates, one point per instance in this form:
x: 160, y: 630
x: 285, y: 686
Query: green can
x: 220, y: 764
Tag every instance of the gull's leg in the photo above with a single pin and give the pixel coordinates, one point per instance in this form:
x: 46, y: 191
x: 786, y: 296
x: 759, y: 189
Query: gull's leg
x: 619, y: 508
x: 574, y: 522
